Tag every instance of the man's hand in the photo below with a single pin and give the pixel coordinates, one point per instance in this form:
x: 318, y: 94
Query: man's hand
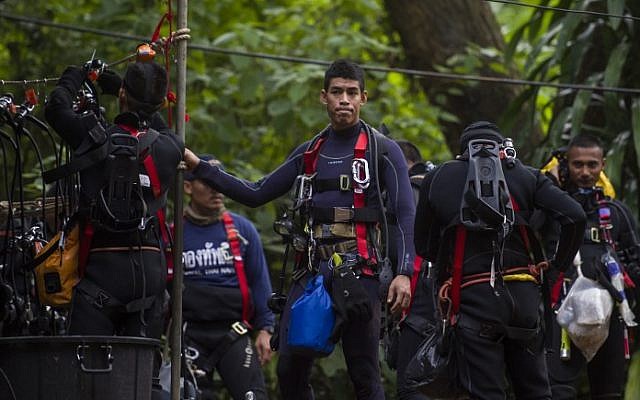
x: 263, y: 346
x: 399, y: 293
x: 191, y: 159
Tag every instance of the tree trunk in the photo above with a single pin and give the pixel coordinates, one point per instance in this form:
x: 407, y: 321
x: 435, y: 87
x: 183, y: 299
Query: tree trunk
x: 431, y: 31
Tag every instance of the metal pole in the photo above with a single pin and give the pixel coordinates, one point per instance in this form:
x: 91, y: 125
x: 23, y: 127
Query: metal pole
x: 176, y: 295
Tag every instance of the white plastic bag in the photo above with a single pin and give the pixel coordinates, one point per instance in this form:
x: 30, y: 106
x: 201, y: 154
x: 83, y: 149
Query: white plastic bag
x: 585, y: 314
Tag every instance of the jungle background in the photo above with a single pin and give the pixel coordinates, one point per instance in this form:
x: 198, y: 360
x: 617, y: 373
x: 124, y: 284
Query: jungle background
x: 250, y: 111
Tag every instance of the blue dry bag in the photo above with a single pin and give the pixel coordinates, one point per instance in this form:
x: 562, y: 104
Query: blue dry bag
x: 311, y: 322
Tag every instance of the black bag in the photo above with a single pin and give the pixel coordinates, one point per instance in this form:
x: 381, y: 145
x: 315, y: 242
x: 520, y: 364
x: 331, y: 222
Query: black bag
x: 433, y: 369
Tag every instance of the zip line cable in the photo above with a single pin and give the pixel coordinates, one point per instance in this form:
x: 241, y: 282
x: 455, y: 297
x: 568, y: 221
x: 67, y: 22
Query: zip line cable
x: 309, y: 61
x: 566, y: 10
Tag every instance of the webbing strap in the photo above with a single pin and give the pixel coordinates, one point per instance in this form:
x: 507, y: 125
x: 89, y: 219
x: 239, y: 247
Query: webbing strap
x: 310, y: 157
x: 85, y: 245
x: 359, y: 198
x: 238, y: 263
x: 156, y: 189
x: 458, y: 259
x: 523, y: 231
x: 417, y: 267
x: 556, y: 290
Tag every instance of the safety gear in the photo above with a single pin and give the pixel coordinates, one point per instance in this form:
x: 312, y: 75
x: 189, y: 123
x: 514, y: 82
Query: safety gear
x: 486, y: 204
x: 238, y: 263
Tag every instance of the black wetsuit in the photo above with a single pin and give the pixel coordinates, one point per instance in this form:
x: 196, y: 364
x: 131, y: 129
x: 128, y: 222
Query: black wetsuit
x: 607, y: 370
x: 124, y: 266
x: 360, y: 341
x: 486, y: 353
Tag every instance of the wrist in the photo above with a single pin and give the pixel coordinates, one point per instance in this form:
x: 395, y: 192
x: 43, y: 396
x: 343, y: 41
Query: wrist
x: 268, y: 329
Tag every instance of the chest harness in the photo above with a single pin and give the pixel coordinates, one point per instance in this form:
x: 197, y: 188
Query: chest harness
x: 340, y: 222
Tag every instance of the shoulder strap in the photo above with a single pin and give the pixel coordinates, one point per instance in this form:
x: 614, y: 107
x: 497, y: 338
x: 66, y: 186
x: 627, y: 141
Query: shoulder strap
x: 83, y: 161
x: 359, y: 197
x: 238, y: 263
x: 456, y: 278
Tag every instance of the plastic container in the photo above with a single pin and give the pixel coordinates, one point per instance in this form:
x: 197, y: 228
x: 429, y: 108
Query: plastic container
x: 76, y: 367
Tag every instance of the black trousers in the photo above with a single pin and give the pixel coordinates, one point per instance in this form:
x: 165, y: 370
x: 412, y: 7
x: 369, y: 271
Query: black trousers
x: 239, y: 366
x: 487, y: 357
x: 360, y: 344
x: 126, y: 276
x: 607, y: 370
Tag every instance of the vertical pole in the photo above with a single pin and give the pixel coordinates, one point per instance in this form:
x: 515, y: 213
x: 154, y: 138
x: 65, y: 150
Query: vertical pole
x: 176, y: 295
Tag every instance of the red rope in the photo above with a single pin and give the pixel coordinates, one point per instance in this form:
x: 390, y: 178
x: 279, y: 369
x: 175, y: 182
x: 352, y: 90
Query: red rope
x: 168, y: 16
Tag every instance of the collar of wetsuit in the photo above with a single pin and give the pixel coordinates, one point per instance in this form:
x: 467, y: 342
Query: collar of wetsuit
x: 417, y: 169
x: 349, y: 132
x: 129, y: 119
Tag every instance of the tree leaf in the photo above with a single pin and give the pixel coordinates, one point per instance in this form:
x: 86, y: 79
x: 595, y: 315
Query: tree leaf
x: 615, y: 7
x: 635, y: 126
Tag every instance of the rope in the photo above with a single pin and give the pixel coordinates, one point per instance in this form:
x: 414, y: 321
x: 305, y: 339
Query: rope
x: 566, y: 10
x: 309, y: 61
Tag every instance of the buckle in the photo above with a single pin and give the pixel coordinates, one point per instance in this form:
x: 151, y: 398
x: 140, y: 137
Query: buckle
x: 594, y: 234
x: 239, y: 328
x: 101, y: 299
x: 345, y: 183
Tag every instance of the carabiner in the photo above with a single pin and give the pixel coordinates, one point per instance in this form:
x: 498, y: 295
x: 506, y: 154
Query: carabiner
x: 360, y: 172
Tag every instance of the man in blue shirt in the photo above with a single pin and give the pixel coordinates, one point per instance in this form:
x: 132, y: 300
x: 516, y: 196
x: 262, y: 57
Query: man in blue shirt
x: 227, y: 286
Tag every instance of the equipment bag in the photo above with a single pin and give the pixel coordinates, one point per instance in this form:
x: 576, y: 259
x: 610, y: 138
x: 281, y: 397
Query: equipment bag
x: 433, y: 369
x: 311, y: 322
x: 56, y: 267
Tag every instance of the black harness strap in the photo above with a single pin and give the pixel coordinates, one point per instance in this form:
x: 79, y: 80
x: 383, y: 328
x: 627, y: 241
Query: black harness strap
x: 236, y: 331
x: 344, y: 214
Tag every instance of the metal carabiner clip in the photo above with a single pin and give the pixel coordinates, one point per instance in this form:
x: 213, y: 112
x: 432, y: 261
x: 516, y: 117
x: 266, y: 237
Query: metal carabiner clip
x: 360, y: 172
x: 305, y: 187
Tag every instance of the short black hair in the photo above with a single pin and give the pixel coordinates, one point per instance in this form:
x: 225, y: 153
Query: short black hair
x: 344, y: 69
x: 146, y: 86
x: 410, y: 151
x: 586, y: 140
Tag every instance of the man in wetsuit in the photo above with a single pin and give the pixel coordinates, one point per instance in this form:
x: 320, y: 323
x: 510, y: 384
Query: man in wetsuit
x: 122, y: 290
x: 611, y: 229
x: 494, y: 294
x: 348, y: 144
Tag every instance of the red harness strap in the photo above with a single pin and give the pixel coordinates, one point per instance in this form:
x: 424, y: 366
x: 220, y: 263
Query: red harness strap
x: 310, y: 157
x: 456, y: 279
x: 523, y: 231
x: 85, y: 246
x: 238, y: 263
x: 359, y: 198
x: 417, y: 267
x: 458, y: 260
x: 156, y: 189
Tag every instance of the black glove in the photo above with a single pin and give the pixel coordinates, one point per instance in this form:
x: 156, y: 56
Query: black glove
x: 110, y: 82
x: 94, y: 65
x: 350, y: 300
x: 593, y: 269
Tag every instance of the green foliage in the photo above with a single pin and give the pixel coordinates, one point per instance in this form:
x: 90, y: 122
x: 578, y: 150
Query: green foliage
x: 576, y: 48
x: 249, y: 112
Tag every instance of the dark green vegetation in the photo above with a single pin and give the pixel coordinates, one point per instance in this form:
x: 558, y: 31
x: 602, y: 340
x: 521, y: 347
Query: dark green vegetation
x: 250, y: 112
